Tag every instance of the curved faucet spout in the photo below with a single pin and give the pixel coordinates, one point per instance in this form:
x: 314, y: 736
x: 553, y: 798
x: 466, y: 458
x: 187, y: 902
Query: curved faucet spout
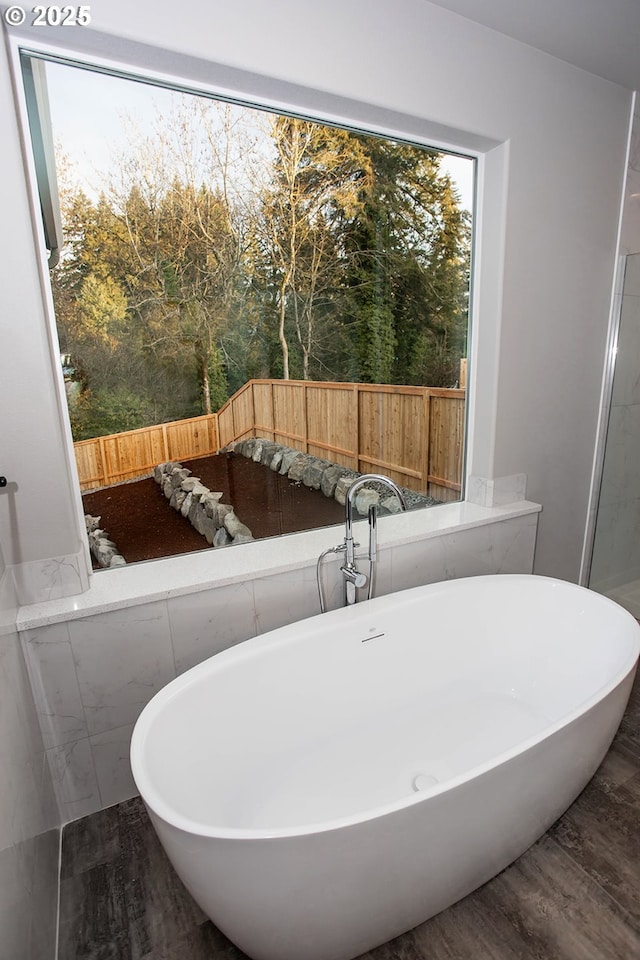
x: 360, y: 482
x: 352, y: 578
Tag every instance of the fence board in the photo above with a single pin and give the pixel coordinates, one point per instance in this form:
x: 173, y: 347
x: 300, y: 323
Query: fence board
x: 225, y: 425
x: 332, y: 417
x: 127, y: 456
x: 391, y: 431
x: 263, y: 407
x: 190, y: 438
x: 243, y: 412
x: 90, y: 463
x: 289, y: 422
x: 445, y: 448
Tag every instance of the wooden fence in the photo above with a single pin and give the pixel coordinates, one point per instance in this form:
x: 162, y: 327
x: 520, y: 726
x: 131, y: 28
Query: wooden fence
x: 414, y: 435
x: 125, y: 456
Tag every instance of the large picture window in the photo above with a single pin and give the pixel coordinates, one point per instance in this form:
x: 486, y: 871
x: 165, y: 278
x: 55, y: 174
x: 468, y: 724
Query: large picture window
x: 236, y: 286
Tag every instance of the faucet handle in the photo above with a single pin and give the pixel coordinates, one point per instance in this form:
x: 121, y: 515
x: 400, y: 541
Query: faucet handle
x: 353, y: 575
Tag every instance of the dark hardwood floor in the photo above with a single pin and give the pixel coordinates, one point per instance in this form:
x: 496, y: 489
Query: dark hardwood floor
x: 574, y: 895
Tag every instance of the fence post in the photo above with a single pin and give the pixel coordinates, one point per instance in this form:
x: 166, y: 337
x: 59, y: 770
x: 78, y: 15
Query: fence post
x: 426, y: 437
x: 356, y: 445
x: 214, y: 434
x: 103, y: 455
x: 273, y: 413
x: 306, y: 418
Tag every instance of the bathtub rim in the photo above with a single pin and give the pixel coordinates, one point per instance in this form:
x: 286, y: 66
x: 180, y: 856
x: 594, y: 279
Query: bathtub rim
x: 162, y: 700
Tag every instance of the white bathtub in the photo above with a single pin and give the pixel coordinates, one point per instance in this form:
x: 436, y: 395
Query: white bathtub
x: 323, y: 788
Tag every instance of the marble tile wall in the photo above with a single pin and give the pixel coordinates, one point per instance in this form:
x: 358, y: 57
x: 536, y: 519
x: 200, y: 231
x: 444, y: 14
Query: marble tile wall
x: 492, y: 493
x: 29, y: 818
x: 51, y: 578
x: 92, y: 676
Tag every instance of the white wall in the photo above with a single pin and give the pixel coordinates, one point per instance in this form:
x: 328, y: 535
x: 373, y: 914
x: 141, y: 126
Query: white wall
x: 555, y: 141
x: 29, y: 838
x: 37, y: 513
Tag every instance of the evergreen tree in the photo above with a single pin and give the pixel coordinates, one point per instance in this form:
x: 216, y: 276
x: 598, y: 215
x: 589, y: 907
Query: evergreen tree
x: 407, y: 268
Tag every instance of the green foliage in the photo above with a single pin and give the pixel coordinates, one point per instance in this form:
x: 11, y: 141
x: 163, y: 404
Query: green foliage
x: 349, y: 261
x: 407, y: 265
x: 107, y: 411
x: 376, y: 343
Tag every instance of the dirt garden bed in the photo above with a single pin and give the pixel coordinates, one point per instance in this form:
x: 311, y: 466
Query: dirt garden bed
x: 138, y: 518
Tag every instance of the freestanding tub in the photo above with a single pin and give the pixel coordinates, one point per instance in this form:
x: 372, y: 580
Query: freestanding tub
x: 322, y: 788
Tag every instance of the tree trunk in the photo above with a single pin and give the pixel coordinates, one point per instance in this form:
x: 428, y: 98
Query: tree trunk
x: 206, y: 390
x: 281, y: 334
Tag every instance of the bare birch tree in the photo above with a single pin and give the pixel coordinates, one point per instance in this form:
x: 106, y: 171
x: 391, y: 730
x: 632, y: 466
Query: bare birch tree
x: 312, y: 182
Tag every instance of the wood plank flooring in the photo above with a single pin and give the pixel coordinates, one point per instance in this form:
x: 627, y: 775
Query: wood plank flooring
x: 575, y: 895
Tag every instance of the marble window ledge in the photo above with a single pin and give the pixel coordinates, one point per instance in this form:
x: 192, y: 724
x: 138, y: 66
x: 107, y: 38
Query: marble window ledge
x: 191, y: 573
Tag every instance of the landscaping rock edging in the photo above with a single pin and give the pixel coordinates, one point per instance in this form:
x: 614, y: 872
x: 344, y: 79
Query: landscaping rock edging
x: 102, y: 548
x: 215, y: 521
x: 330, y: 478
x: 218, y: 523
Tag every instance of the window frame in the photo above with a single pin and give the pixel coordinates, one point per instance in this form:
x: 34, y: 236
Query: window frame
x: 245, y: 89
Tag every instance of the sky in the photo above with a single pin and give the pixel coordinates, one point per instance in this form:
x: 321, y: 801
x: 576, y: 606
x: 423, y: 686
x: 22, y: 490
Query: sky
x: 87, y: 111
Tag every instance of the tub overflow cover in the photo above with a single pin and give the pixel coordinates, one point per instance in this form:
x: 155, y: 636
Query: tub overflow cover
x: 422, y: 781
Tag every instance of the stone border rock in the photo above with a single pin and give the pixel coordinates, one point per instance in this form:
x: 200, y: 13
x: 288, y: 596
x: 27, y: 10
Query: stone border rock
x: 330, y: 478
x: 215, y: 521
x: 102, y: 548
